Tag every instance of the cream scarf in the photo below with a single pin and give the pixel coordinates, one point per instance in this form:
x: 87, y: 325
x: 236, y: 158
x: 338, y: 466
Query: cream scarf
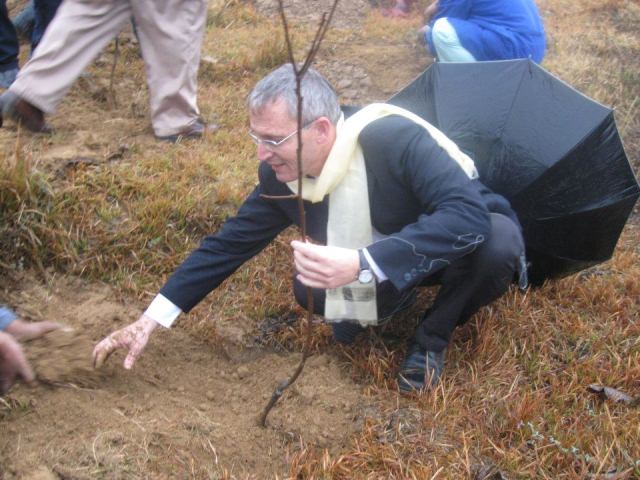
x: 344, y: 179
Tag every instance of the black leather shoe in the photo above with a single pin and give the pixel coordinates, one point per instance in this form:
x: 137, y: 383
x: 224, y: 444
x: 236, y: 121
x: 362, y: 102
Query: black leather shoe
x: 421, y: 369
x: 22, y: 112
x: 196, y: 130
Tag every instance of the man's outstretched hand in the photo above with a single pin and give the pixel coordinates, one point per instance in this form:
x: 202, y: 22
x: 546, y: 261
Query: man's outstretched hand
x: 133, y: 337
x: 13, y: 363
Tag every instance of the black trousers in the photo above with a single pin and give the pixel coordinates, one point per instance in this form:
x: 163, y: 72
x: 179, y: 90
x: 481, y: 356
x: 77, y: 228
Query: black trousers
x: 466, y: 285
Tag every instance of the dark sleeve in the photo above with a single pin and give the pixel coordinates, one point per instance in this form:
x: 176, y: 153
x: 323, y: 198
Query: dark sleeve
x: 444, y: 214
x: 241, y: 237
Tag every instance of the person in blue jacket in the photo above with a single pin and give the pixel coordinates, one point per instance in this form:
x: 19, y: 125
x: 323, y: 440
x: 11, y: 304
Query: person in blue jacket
x: 480, y: 30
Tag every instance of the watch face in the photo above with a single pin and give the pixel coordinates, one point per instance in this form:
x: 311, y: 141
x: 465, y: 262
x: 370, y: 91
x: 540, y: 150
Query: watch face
x: 365, y: 276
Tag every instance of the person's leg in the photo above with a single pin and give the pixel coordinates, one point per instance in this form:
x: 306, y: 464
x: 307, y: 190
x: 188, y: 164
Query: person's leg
x: 77, y: 34
x: 473, y: 282
x: 467, y: 285
x: 8, y: 48
x: 170, y: 34
x: 44, y: 11
x: 444, y: 40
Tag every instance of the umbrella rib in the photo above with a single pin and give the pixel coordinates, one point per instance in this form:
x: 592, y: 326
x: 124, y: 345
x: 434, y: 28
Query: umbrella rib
x: 513, y: 101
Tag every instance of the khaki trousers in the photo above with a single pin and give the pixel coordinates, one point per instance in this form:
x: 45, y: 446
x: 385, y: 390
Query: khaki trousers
x: 170, y: 33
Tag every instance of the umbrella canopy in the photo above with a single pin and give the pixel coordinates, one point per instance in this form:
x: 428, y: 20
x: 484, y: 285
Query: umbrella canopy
x: 553, y: 152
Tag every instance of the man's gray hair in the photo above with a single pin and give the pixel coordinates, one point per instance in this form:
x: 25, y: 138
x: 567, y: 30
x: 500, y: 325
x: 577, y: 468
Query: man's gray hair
x: 319, y: 99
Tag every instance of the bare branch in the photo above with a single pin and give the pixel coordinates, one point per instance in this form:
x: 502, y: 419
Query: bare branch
x: 315, y: 44
x: 116, y: 55
x: 299, y: 74
x: 287, y: 37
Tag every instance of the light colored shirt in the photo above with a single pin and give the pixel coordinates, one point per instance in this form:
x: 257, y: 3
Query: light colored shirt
x: 165, y: 312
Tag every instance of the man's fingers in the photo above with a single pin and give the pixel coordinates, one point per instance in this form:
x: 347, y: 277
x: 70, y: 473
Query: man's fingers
x: 305, y: 264
x: 130, y: 360
x: 102, y: 351
x: 312, y: 278
x: 99, y: 356
x: 312, y: 263
x: 310, y: 282
x: 133, y: 338
x: 307, y: 249
x: 136, y: 348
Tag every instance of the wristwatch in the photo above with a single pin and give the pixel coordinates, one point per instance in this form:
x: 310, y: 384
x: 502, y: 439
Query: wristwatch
x: 365, y: 275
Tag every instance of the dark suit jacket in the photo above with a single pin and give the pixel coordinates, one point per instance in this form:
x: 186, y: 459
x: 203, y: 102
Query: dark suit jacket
x: 431, y: 211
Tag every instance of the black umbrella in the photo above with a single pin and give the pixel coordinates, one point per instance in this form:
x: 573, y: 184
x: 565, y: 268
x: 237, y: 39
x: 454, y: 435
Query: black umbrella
x: 552, y: 151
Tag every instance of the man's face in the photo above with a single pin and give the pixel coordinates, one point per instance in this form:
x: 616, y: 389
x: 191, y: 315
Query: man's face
x: 274, y: 123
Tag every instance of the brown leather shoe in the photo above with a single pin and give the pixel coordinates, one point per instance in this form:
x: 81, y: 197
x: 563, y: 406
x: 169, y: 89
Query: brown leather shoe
x: 197, y: 129
x: 21, y: 111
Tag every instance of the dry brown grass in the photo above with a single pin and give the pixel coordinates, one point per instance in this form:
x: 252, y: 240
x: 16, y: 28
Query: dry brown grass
x: 514, y: 397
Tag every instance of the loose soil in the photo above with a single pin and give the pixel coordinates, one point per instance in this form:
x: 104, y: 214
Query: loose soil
x: 188, y: 408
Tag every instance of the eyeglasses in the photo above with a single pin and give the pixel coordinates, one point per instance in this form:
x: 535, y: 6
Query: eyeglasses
x: 275, y: 143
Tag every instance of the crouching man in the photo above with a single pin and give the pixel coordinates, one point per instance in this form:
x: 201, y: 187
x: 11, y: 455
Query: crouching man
x: 392, y: 204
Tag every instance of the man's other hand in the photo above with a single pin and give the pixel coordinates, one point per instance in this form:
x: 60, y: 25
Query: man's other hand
x: 133, y: 337
x: 13, y: 363
x: 325, y: 267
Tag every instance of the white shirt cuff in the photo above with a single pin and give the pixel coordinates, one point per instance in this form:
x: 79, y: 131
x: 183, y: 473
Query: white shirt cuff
x: 163, y: 311
x: 374, y: 266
